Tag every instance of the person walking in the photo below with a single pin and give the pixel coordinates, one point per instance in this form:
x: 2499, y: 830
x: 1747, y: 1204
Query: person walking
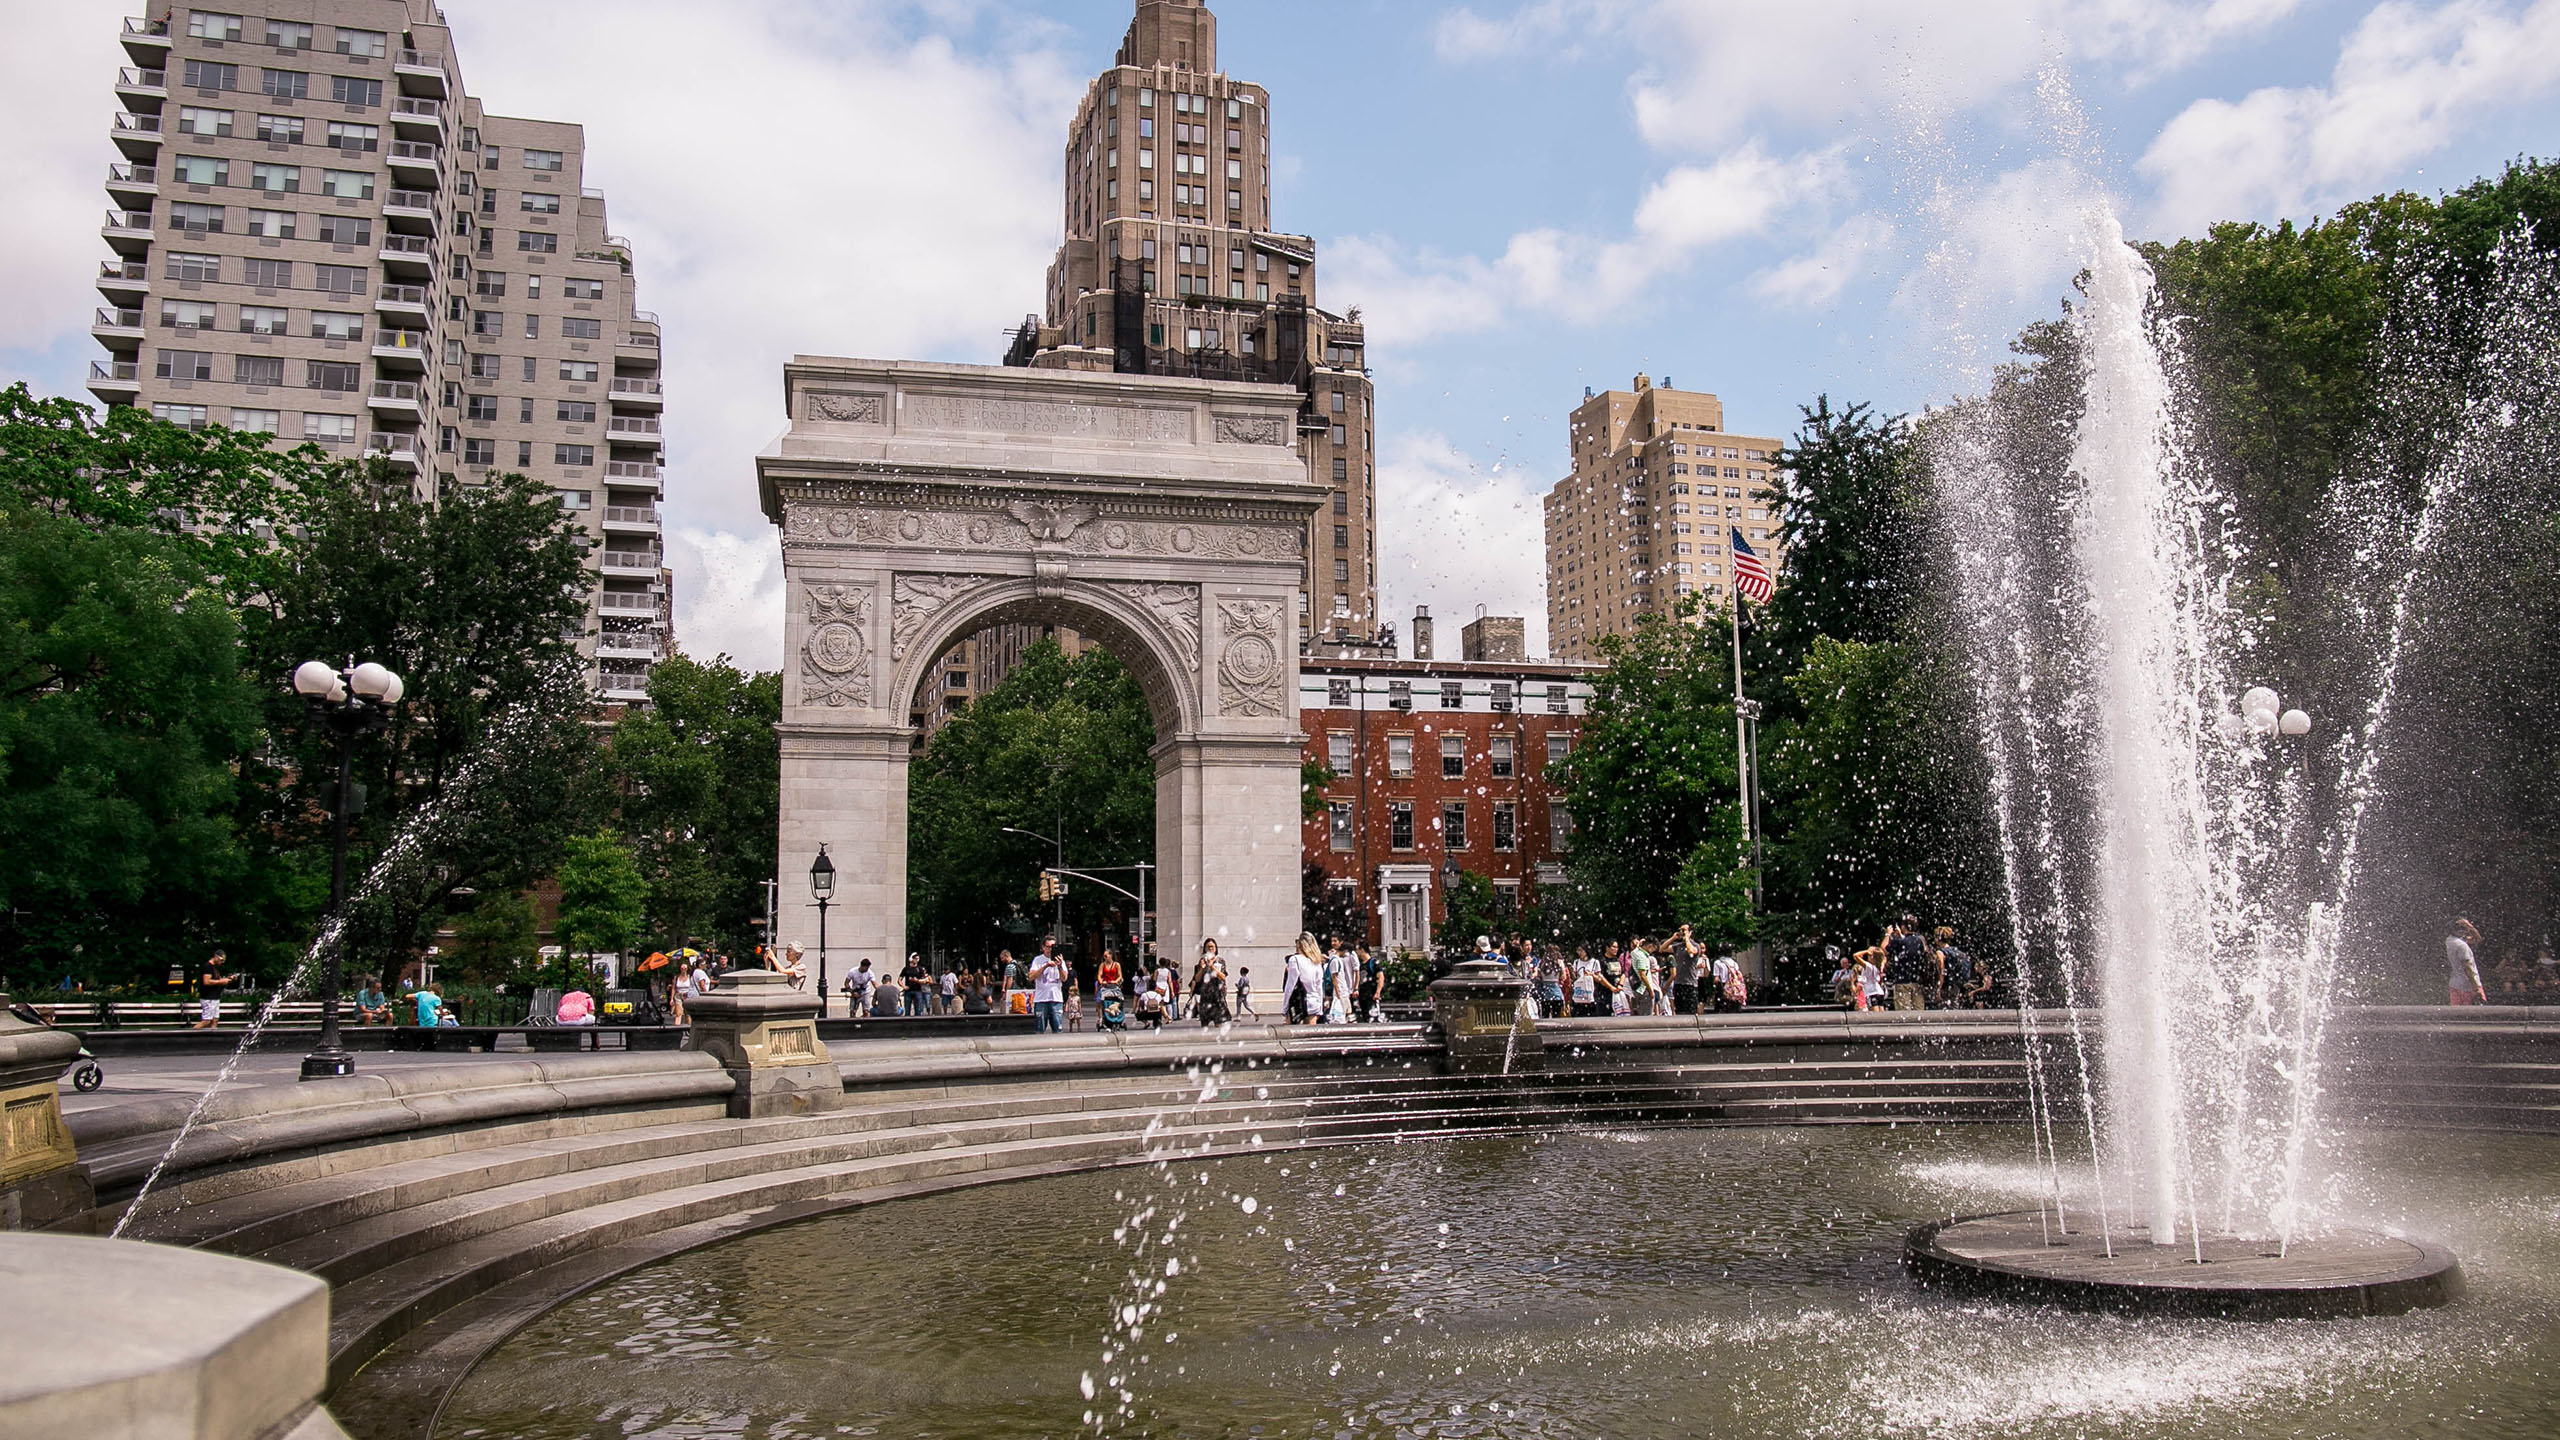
x: 217, y: 978
x: 1048, y: 991
x: 2462, y: 966
x: 1106, y: 977
x: 1732, y: 992
x: 1244, y: 992
x: 1373, y: 985
x: 1298, y: 997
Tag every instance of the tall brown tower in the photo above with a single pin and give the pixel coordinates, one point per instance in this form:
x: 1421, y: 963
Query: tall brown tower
x: 1170, y: 266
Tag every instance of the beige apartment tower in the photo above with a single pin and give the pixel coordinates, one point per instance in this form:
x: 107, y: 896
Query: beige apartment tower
x: 1170, y: 266
x: 1645, y: 519
x: 318, y: 233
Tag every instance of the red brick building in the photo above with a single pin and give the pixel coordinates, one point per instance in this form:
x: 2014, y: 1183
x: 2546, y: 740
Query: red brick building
x: 1434, y: 761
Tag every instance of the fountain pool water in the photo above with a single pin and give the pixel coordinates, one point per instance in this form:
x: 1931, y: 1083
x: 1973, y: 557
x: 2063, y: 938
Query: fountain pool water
x: 1669, y: 1283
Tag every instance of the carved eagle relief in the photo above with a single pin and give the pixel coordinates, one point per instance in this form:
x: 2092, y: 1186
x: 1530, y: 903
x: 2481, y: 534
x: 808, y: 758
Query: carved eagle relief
x: 1050, y: 523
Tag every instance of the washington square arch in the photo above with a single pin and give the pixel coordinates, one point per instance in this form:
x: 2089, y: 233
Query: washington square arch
x: 920, y: 503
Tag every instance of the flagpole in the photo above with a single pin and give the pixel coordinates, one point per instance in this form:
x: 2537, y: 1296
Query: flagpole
x: 1741, y: 746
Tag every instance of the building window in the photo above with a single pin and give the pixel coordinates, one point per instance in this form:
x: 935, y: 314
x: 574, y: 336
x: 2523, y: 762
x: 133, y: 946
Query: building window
x: 538, y: 202
x: 336, y: 325
x: 347, y: 184
x: 1337, y: 693
x: 582, y: 289
x: 582, y: 371
x: 195, y: 121
x: 577, y: 412
x: 537, y: 242
x: 338, y: 279
x: 1399, y: 824
x: 1453, y: 757
x: 259, y: 422
x: 201, y: 170
x: 542, y: 159
x: 1400, y: 757
x: 1499, y: 757
x: 1341, y: 607
x: 275, y: 180
x: 1337, y: 753
x: 1453, y: 825
x: 1506, y: 826
x: 573, y: 456
x: 1341, y: 572
x: 205, y: 218
x: 350, y: 90
x: 287, y: 35
x: 331, y: 375
x: 286, y: 85
x: 184, y: 365
x: 1399, y: 694
x: 190, y: 416
x: 1559, y: 827
x: 371, y: 43
x: 355, y: 139
x: 184, y: 265
x: 524, y: 410
x: 578, y: 327
x: 524, y: 453
x: 488, y: 322
x: 532, y: 329
x: 316, y: 426
x: 1338, y: 824
x: 1453, y: 695
x: 258, y: 369
x: 212, y: 25
x: 206, y: 75
x: 272, y: 224
x: 480, y: 450
x: 481, y: 407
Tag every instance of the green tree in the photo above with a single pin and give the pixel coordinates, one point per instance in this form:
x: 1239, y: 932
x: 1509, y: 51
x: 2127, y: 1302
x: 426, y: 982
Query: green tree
x: 1468, y: 910
x: 603, y: 896
x: 1853, y: 530
x: 1715, y: 892
x: 699, y: 776
x: 495, y: 941
x: 1059, y: 744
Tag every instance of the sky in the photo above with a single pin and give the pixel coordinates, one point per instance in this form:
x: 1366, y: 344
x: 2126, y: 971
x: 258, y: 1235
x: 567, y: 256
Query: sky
x: 1771, y: 200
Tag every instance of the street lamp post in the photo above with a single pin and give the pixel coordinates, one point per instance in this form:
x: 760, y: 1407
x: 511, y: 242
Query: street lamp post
x: 353, y: 701
x: 822, y: 884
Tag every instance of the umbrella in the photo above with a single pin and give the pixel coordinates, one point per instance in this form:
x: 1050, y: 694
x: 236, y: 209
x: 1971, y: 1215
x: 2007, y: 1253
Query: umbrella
x: 657, y: 960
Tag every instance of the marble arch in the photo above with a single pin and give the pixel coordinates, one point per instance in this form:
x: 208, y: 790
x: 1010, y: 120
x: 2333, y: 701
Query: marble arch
x: 919, y: 502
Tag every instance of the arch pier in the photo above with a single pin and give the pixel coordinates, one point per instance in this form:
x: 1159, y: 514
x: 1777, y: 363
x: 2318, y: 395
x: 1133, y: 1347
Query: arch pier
x: 1166, y: 518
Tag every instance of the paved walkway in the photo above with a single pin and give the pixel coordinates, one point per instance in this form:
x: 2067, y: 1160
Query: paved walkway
x: 150, y: 1077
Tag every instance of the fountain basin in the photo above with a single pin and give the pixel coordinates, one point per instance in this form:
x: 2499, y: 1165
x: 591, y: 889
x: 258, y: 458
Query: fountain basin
x: 2347, y: 1272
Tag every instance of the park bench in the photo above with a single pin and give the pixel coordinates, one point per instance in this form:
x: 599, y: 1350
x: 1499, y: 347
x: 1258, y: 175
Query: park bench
x: 170, y: 1014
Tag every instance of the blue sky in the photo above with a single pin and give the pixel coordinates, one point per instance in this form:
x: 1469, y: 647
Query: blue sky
x: 1768, y: 199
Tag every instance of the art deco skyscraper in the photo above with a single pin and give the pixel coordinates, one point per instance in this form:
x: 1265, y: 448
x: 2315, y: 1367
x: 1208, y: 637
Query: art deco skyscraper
x: 317, y: 233
x: 1171, y: 266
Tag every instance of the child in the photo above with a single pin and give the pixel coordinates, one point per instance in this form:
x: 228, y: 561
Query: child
x: 1244, y: 992
x: 1075, y: 1008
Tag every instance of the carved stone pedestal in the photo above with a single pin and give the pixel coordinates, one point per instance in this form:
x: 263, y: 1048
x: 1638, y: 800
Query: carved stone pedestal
x: 1483, y: 1023
x: 765, y: 1034
x: 40, y: 1176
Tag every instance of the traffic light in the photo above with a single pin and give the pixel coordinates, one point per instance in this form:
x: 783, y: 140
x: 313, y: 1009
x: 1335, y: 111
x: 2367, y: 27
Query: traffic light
x: 1048, y: 887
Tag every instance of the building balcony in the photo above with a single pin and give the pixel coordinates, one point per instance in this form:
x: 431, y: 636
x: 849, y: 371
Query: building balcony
x: 629, y: 604
x: 400, y: 448
x: 421, y: 72
x: 408, y: 255
x: 124, y: 281
x: 128, y: 232
x: 399, y: 400
x: 400, y: 349
x: 146, y: 40
x: 642, y: 429
x: 414, y: 207
x: 416, y: 161
x: 639, y: 343
x: 133, y: 186
x: 630, y: 519
x: 141, y: 85
x: 118, y: 330
x: 138, y: 136
x: 637, y: 645
x: 631, y: 564
x: 636, y: 472
x: 418, y: 119
x: 406, y: 302
x: 638, y: 394
x: 116, y: 382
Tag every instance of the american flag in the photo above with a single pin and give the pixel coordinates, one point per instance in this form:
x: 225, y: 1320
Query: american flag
x: 1750, y: 572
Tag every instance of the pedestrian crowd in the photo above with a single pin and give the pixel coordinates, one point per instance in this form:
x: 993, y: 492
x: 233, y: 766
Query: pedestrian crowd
x: 1912, y: 968
x: 1671, y: 974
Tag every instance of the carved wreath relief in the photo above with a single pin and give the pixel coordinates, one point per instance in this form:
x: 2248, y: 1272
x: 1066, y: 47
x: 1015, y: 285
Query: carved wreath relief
x: 1249, y: 667
x: 842, y: 409
x: 835, y: 661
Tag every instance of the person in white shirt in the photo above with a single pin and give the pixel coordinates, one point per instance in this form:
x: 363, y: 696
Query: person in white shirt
x: 1048, y: 991
x: 2462, y: 967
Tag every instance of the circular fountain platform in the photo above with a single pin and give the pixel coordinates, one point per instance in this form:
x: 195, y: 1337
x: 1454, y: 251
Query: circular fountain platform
x: 2342, y: 1273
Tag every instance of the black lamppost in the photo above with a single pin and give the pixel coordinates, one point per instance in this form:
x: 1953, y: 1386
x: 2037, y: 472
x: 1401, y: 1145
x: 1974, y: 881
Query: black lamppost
x: 822, y: 884
x: 352, y: 700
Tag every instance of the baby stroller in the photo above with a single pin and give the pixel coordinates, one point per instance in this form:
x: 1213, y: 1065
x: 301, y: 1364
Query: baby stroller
x: 85, y: 1072
x: 1114, y: 1010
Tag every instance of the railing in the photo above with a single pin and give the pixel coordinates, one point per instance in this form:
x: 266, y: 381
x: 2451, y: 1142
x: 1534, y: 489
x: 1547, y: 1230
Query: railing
x: 631, y: 425
x: 132, y: 124
x: 120, y: 319
x: 642, y: 604
x: 631, y: 559
x: 418, y: 109
x: 124, y: 270
x: 407, y: 244
x: 403, y: 295
x: 589, y: 192
x: 636, y: 387
x: 414, y: 150
x: 640, y: 340
x: 125, y: 174
x: 410, y: 200
x: 128, y: 219
x: 645, y: 317
x: 400, y: 447
x: 641, y: 645
x: 390, y: 339
x: 395, y: 390
x: 423, y: 60
x: 619, y: 514
x: 145, y: 26
x: 130, y: 78
x: 632, y: 470
x: 115, y: 370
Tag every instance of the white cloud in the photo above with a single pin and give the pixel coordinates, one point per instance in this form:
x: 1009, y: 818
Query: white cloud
x: 1410, y: 295
x: 1548, y: 27
x: 1816, y: 278
x: 2406, y: 81
x: 1453, y: 537
x: 56, y: 65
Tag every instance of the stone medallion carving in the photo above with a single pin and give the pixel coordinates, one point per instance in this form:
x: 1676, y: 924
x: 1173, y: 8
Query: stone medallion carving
x: 1252, y: 430
x: 842, y: 409
x: 915, y: 599
x: 1050, y: 524
x: 835, y: 661
x: 1176, y: 609
x: 1249, y: 661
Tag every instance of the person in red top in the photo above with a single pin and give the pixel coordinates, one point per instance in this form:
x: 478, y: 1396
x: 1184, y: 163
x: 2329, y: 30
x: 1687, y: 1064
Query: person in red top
x: 1106, y: 977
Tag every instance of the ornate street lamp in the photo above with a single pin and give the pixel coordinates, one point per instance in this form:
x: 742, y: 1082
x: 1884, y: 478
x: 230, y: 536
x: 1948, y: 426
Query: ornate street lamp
x: 822, y: 884
x: 353, y: 701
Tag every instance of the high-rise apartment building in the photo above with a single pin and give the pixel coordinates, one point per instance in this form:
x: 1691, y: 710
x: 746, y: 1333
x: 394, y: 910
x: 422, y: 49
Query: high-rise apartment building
x: 1170, y: 266
x: 319, y: 234
x: 1645, y: 519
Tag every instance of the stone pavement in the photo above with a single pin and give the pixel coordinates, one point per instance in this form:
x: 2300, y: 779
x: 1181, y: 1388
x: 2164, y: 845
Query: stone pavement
x: 151, y: 1077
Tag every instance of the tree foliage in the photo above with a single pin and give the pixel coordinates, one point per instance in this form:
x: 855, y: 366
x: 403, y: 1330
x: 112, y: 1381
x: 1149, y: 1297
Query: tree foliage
x: 698, y: 774
x: 603, y: 897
